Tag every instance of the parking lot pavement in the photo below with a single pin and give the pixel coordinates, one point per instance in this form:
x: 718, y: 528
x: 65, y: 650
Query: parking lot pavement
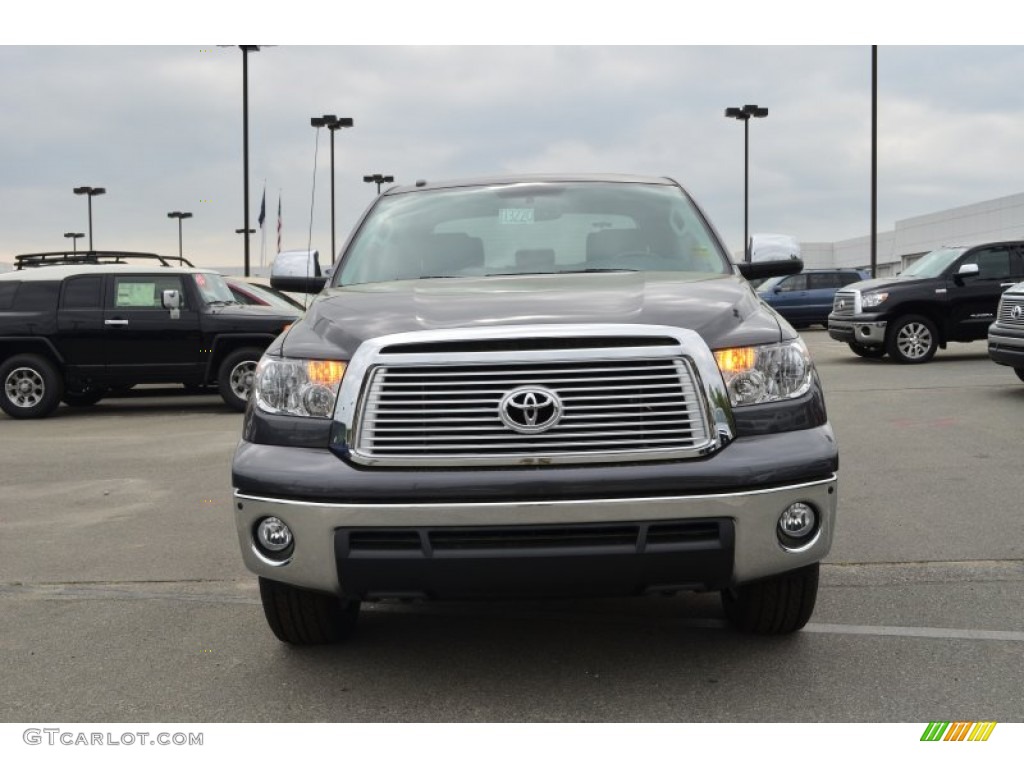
x: 124, y: 597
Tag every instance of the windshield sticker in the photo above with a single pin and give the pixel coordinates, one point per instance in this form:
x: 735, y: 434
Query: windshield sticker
x: 515, y: 215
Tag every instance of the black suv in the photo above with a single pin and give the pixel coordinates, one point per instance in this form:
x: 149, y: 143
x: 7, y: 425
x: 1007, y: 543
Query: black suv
x: 74, y: 331
x: 535, y: 386
x: 950, y: 294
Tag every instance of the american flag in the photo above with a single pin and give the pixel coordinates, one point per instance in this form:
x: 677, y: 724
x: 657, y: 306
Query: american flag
x: 279, y: 223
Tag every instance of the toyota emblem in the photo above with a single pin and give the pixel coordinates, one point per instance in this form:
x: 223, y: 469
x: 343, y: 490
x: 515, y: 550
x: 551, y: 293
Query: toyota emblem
x: 1017, y: 312
x: 530, y: 410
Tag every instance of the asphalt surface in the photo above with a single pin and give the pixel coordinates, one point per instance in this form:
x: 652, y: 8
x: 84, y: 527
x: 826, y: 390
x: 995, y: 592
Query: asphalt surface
x: 123, y: 597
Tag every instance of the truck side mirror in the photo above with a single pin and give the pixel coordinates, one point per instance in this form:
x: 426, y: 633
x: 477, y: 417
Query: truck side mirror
x: 966, y: 270
x: 171, y: 299
x: 753, y: 270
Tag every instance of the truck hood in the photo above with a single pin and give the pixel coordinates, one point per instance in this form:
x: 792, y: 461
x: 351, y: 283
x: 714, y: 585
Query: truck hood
x: 721, y: 308
x: 880, y: 283
x: 246, y: 311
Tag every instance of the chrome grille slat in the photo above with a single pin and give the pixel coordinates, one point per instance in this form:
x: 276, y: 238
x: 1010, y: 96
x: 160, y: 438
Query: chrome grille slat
x: 610, y: 405
x: 381, y: 391
x: 682, y: 423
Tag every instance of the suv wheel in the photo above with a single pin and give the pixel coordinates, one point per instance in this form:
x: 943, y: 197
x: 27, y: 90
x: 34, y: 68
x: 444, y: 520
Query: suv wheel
x: 912, y: 339
x: 235, y: 376
x: 775, y: 606
x: 301, y: 617
x: 1020, y: 373
x: 863, y: 350
x: 30, y: 387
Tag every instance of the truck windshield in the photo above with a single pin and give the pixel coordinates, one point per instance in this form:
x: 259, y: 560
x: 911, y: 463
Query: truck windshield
x: 213, y: 289
x: 933, y: 264
x: 532, y: 228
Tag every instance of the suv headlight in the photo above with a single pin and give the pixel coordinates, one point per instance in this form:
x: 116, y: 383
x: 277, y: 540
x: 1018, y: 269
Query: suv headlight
x: 298, y: 387
x: 765, y: 373
x: 869, y: 300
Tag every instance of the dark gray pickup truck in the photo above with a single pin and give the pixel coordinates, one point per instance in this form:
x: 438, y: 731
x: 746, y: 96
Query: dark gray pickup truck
x: 535, y: 386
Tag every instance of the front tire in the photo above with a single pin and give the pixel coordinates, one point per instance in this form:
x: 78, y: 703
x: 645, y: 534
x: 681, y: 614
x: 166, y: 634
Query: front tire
x: 30, y: 387
x: 236, y: 375
x: 912, y: 339
x: 302, y: 617
x: 776, y: 606
x: 1020, y: 373
x: 863, y: 350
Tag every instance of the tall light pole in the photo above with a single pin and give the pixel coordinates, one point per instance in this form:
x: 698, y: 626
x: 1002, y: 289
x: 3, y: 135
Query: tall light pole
x: 179, y: 215
x: 74, y: 238
x: 91, y: 192
x: 378, y: 179
x: 332, y: 123
x: 744, y: 113
x: 874, y: 160
x: 245, y: 145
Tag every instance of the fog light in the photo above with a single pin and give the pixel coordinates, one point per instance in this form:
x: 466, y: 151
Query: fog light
x: 798, y: 521
x: 273, y: 535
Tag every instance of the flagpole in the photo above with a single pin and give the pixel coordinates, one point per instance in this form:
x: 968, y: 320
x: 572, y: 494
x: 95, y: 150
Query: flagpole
x: 263, y: 232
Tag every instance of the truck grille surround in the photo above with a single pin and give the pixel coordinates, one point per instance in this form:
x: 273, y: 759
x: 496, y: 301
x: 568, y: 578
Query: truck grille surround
x: 580, y: 399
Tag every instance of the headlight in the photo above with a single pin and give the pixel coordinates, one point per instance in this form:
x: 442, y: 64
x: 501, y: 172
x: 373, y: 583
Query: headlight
x: 298, y: 387
x: 869, y: 300
x: 766, y: 373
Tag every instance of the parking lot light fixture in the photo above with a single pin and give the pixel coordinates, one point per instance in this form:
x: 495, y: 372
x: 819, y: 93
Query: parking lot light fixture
x: 74, y: 238
x: 333, y: 124
x: 744, y: 113
x: 179, y: 215
x: 90, y: 192
x: 378, y: 179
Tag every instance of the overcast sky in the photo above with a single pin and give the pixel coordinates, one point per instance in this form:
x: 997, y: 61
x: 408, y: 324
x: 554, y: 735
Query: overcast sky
x: 160, y: 127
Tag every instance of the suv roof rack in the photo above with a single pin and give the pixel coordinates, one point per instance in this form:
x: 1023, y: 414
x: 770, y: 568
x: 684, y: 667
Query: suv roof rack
x: 50, y: 258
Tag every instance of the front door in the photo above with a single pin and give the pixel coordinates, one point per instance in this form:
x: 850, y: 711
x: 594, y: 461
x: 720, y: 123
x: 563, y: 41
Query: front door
x: 974, y: 299
x: 145, y: 341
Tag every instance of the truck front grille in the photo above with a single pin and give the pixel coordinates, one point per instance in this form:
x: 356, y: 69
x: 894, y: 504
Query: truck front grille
x: 1006, y: 310
x: 536, y: 409
x: 844, y: 304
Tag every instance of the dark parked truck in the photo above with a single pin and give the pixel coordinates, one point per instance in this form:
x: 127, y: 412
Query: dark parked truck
x: 75, y: 332
x: 539, y: 386
x: 950, y: 294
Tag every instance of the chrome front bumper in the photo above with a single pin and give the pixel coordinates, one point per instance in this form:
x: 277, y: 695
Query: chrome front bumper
x: 870, y: 333
x: 758, y: 552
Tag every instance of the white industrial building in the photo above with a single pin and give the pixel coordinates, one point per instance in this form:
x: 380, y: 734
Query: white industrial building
x: 987, y: 222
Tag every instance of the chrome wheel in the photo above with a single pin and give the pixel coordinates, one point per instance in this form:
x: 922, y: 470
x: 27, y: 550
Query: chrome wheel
x: 241, y: 378
x: 915, y: 340
x: 30, y: 386
x: 912, y: 339
x: 236, y: 377
x: 24, y: 387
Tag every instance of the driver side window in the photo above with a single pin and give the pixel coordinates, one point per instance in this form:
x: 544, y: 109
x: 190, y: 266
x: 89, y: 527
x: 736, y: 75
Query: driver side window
x: 794, y: 283
x: 993, y: 264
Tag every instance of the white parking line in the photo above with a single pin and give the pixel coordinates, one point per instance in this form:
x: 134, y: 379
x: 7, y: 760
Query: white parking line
x: 941, y: 633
